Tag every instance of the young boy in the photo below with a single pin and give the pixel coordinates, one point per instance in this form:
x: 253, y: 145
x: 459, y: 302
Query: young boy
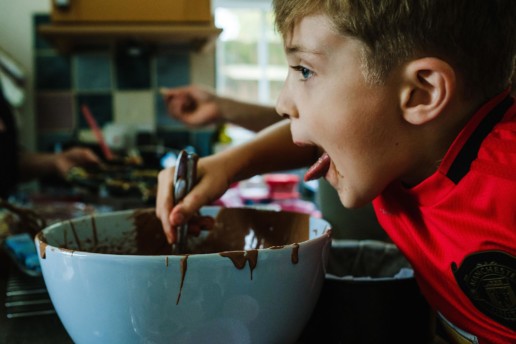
x: 410, y: 102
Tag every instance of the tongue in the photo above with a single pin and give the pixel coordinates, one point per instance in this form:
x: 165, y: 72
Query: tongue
x: 318, y: 169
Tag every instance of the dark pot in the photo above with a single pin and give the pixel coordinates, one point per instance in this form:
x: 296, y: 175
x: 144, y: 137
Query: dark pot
x: 373, y: 303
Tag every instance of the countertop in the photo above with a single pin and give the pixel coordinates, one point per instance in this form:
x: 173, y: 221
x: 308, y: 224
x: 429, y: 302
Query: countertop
x: 30, y: 329
x: 42, y: 329
x: 47, y: 328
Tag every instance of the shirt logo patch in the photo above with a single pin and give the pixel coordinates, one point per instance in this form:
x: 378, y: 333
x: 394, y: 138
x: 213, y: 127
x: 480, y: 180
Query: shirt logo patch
x: 489, y: 280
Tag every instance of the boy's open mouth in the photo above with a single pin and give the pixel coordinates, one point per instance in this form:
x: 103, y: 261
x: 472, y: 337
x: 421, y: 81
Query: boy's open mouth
x: 319, y: 169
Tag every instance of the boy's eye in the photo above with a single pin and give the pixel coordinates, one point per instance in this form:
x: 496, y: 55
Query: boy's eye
x: 305, y: 72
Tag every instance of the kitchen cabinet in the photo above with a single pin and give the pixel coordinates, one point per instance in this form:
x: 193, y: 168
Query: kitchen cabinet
x: 78, y: 24
x: 150, y: 11
x: 70, y: 37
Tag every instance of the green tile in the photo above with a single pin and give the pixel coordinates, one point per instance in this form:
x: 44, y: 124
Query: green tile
x: 53, y: 72
x: 173, y: 69
x: 92, y: 71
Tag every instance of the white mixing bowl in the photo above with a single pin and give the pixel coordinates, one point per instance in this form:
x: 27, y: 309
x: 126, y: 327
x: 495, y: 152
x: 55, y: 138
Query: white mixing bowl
x: 112, y: 278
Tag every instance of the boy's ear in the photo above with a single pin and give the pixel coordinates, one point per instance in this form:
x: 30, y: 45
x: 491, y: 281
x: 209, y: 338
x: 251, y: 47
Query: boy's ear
x: 428, y: 86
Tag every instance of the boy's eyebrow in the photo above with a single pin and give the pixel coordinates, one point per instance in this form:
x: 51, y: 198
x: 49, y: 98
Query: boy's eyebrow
x: 294, y: 49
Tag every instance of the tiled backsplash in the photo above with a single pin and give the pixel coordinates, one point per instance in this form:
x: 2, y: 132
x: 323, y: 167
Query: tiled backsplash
x: 119, y: 85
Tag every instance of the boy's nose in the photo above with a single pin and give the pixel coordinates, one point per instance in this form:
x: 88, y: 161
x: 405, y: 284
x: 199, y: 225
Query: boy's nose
x: 284, y: 106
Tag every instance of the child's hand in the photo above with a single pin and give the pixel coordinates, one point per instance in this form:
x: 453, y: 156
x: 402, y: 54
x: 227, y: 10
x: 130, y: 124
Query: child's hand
x: 212, y: 182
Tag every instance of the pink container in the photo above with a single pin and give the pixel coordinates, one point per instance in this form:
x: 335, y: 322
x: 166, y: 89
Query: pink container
x: 282, y: 186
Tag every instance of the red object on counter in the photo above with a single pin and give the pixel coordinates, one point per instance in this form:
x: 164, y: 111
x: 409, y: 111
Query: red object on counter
x: 98, y: 133
x: 282, y: 186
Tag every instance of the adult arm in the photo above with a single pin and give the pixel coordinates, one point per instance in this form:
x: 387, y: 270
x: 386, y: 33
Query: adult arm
x: 199, y: 106
x: 34, y: 165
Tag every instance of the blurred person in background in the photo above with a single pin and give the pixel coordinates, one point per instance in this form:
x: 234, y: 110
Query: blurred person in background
x: 20, y: 165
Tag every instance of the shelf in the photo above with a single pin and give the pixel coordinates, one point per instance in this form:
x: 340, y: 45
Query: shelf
x: 67, y: 37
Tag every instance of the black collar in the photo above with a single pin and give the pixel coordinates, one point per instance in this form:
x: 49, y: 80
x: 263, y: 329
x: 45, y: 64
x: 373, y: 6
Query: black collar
x: 462, y: 164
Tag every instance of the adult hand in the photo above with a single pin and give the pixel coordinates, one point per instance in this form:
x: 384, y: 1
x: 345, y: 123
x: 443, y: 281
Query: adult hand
x: 192, y: 105
x: 76, y: 156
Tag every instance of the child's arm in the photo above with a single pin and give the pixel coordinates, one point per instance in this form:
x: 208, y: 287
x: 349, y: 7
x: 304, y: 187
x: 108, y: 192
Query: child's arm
x: 271, y: 150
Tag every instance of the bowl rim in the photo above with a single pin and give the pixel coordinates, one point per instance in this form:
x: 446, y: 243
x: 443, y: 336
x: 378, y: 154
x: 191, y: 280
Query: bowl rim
x: 325, y: 235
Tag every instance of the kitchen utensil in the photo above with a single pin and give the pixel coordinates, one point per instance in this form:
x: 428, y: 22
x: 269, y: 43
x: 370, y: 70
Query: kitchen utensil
x: 184, y: 179
x: 96, y: 130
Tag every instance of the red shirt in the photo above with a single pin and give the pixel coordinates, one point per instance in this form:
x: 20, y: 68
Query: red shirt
x: 458, y: 227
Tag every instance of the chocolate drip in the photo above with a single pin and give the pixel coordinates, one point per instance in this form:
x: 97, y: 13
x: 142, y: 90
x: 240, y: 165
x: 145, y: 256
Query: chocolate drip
x: 77, y: 241
x: 239, y: 258
x: 295, y: 253
x: 94, y: 229
x: 42, y: 246
x: 65, y: 238
x: 184, y: 265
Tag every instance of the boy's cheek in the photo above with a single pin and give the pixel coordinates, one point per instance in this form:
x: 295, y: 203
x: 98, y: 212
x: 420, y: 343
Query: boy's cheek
x: 298, y: 128
x: 297, y: 135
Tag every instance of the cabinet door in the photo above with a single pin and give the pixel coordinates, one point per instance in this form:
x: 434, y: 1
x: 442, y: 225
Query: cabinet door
x: 164, y: 11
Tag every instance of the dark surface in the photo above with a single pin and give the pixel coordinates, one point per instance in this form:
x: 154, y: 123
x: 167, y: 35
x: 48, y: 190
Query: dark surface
x: 362, y: 316
x: 371, y: 312
x: 46, y: 328
x: 32, y: 329
x: 381, y: 312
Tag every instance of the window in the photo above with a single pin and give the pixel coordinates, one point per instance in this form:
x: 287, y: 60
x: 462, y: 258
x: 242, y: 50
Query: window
x: 250, y: 62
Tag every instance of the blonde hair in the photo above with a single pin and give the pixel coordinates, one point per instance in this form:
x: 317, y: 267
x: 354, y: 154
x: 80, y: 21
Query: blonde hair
x: 476, y: 37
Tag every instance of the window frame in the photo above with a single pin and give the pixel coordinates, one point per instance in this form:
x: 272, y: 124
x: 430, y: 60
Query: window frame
x: 264, y: 83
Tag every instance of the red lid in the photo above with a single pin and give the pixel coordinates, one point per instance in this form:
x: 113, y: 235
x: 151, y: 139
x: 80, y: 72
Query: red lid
x: 282, y: 185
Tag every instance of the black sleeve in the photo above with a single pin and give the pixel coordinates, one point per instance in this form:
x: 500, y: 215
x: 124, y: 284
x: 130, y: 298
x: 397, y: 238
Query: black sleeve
x: 8, y: 149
